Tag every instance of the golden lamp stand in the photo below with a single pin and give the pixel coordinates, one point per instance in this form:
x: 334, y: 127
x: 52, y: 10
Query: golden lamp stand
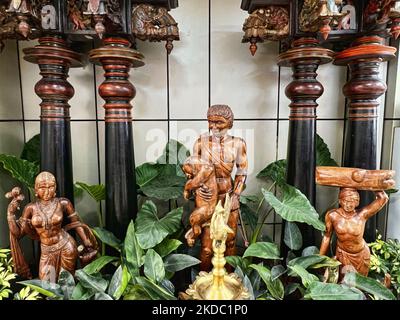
x: 218, y: 284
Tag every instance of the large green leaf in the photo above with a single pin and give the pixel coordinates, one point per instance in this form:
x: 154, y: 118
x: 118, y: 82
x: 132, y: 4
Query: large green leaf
x: 82, y: 293
x: 292, y: 236
x: 277, y: 271
x: 96, y: 191
x: 314, y: 261
x: 31, y: 151
x: 107, y: 237
x: 22, y: 170
x: 146, y: 172
x: 154, y: 266
x: 177, y: 262
x: 307, y: 261
x: 276, y: 171
x: 167, y: 246
x: 45, y: 288
x: 294, y: 207
x: 174, y: 153
x: 119, y: 282
x: 309, y: 251
x: 236, y: 261
x: 67, y: 283
x: 96, y: 283
x: 324, y: 157
x: 133, y: 251
x: 150, y: 230
x: 369, y: 285
x: 275, y: 287
x: 263, y: 250
x: 154, y: 291
x: 165, y: 187
x: 98, y: 264
x: 136, y: 292
x: 332, y: 291
x: 249, y: 216
x: 306, y: 278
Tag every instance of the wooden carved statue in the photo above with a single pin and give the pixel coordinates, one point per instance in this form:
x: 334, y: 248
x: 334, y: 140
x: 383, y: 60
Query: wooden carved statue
x: 42, y: 220
x: 219, y: 154
x: 269, y: 23
x: 154, y: 24
x: 348, y: 221
x: 200, y: 173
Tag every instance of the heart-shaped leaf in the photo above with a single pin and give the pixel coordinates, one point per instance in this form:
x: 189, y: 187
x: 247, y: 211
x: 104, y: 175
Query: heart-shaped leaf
x: 155, y: 292
x: 167, y: 246
x: 151, y: 230
x: 22, y: 170
x: 332, y: 291
x: 95, y: 191
x: 276, y: 171
x: 107, y: 237
x: 324, y: 157
x: 98, y: 264
x: 294, y: 207
x: 96, y: 283
x: 275, y: 287
x: 119, y: 282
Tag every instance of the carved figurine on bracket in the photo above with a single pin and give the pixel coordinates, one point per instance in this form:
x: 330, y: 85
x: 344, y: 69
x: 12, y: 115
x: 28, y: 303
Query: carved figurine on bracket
x: 348, y: 222
x: 154, y: 24
x: 269, y: 23
x: 223, y: 152
x: 349, y: 22
x: 320, y: 15
x: 42, y: 220
x: 101, y: 15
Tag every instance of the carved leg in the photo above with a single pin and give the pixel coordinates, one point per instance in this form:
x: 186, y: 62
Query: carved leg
x: 206, y: 252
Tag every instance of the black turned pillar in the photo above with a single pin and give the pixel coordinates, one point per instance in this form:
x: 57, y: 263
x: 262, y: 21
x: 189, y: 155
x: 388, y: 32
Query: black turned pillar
x: 304, y: 57
x: 117, y: 58
x: 54, y: 59
x: 362, y: 90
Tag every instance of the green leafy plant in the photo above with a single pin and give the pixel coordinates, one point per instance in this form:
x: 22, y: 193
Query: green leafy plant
x: 147, y: 260
x: 7, y: 276
x: 385, y: 261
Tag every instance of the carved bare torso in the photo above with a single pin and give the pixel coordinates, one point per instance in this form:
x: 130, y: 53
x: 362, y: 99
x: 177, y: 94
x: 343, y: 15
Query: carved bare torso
x: 223, y: 154
x: 47, y: 222
x: 349, y: 229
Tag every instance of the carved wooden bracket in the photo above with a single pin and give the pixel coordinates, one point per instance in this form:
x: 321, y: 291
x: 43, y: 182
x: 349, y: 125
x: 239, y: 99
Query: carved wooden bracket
x: 154, y: 23
x: 268, y: 23
x: 96, y: 15
x: 380, y: 15
x: 321, y: 16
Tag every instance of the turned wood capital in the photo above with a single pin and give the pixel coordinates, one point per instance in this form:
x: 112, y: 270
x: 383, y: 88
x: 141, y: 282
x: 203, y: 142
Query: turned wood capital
x: 304, y: 51
x: 53, y: 50
x: 116, y: 49
x: 369, y: 47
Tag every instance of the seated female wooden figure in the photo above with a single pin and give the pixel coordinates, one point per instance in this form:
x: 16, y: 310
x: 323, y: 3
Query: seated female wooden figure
x: 42, y: 220
x: 200, y: 174
x: 347, y: 221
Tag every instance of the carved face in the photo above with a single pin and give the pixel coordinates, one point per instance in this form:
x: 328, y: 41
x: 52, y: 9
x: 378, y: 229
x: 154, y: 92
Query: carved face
x: 218, y: 126
x: 350, y: 202
x: 45, y: 190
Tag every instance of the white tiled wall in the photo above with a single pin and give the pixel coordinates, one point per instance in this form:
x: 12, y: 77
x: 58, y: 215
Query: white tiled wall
x: 208, y: 65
